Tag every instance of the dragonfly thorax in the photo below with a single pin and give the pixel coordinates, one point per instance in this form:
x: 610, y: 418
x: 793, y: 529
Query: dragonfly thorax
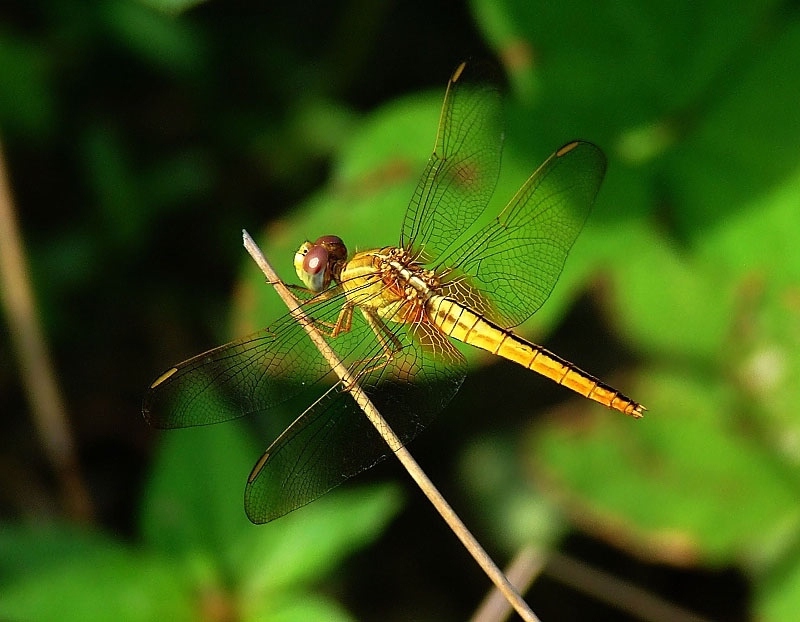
x: 390, y: 283
x: 409, y: 275
x: 318, y: 263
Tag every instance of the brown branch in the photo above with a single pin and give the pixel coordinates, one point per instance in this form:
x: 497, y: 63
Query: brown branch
x: 614, y: 591
x: 36, y: 368
x: 522, y: 572
x: 377, y: 420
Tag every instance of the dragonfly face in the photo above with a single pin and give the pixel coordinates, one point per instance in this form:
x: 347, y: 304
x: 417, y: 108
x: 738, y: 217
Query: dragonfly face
x: 317, y: 263
x: 391, y: 314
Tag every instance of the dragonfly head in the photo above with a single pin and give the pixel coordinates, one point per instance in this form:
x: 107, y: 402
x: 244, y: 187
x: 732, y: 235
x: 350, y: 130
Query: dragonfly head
x: 316, y: 263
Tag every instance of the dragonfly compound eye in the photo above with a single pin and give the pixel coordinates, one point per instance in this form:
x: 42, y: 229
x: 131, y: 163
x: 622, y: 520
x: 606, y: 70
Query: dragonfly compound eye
x: 312, y: 264
x: 315, y: 260
x: 334, y: 245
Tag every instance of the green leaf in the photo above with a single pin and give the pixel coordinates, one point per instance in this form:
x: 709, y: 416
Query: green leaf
x: 585, y: 57
x: 26, y: 100
x: 667, y: 302
x: 777, y: 596
x: 746, y: 145
x: 114, y: 183
x: 85, y: 582
x: 172, y: 7
x: 689, y: 482
x: 166, y: 43
x: 759, y: 244
x: 308, y: 543
x: 193, y: 509
x: 495, y: 480
x: 176, y: 178
x: 28, y: 549
x: 193, y: 502
x: 297, y: 608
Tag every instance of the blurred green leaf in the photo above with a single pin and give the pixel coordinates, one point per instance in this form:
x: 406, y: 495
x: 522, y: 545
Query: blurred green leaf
x: 175, y: 179
x: 758, y: 246
x: 297, y: 608
x: 743, y: 147
x: 315, y: 129
x: 210, y: 558
x: 759, y: 243
x: 193, y: 509
x: 667, y: 302
x: 609, y: 44
x: 309, y: 543
x: 127, y: 193
x: 26, y: 97
x: 688, y: 483
x: 193, y: 503
x: 171, y: 44
x: 210, y: 555
x: 28, y: 549
x: 114, y: 182
x: 778, y: 597
x: 172, y: 7
x: 507, y: 505
x: 90, y: 583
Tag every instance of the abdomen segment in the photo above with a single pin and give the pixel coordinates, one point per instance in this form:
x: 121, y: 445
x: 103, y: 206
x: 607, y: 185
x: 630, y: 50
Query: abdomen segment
x: 460, y: 323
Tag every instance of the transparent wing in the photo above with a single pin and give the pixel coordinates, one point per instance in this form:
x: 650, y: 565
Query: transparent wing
x: 249, y: 375
x: 332, y: 440
x: 508, y: 269
x: 462, y: 172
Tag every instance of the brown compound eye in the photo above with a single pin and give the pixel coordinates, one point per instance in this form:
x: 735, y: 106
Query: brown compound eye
x: 334, y: 245
x: 316, y: 259
x: 314, y: 263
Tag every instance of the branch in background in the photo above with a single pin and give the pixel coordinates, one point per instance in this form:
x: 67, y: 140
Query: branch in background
x: 35, y: 365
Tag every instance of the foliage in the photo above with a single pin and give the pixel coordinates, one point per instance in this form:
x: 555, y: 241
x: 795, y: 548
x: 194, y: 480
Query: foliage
x: 198, y: 556
x: 696, y: 237
x: 692, y: 253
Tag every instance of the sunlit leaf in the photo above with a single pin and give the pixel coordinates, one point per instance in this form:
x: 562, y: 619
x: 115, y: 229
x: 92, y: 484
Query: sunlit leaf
x: 687, y: 483
x: 96, y: 585
x: 193, y: 504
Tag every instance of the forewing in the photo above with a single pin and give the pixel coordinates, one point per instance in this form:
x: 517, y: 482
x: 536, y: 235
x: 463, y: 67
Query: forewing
x: 462, y: 172
x: 333, y: 440
x: 248, y: 375
x: 510, y: 266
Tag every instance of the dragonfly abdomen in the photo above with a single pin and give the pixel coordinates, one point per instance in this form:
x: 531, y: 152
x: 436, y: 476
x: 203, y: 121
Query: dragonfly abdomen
x: 461, y: 323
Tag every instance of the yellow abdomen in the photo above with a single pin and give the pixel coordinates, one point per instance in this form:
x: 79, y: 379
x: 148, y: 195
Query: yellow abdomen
x: 467, y: 326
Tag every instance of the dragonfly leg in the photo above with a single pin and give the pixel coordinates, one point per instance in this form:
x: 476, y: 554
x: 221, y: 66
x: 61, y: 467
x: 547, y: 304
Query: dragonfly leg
x: 344, y: 321
x: 342, y: 324
x: 390, y: 345
x: 388, y: 340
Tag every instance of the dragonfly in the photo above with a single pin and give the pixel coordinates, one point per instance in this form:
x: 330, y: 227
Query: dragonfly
x: 391, y: 314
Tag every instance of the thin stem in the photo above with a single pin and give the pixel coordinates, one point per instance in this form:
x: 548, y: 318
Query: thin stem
x: 377, y: 420
x: 36, y: 368
x: 523, y: 570
x: 530, y: 563
x: 621, y: 594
